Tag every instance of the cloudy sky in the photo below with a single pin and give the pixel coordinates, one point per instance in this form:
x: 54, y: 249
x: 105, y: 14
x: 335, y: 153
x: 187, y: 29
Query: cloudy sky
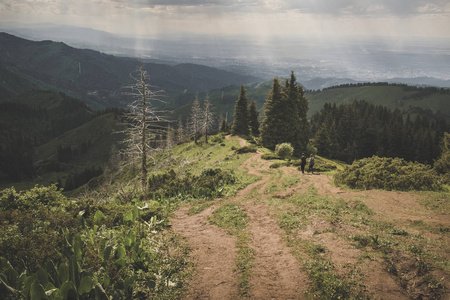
x: 260, y: 18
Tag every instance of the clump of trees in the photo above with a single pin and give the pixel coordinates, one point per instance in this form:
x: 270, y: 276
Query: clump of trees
x: 285, y: 116
x: 361, y: 129
x: 201, y: 119
x: 245, y: 117
x: 284, y: 119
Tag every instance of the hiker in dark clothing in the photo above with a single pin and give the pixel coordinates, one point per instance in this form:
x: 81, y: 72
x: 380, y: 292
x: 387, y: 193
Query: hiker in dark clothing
x: 311, y: 164
x: 303, y: 163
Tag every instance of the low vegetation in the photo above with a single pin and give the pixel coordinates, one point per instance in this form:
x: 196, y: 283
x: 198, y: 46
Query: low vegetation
x: 284, y: 150
x: 389, y: 174
x: 320, y: 228
x: 113, y: 241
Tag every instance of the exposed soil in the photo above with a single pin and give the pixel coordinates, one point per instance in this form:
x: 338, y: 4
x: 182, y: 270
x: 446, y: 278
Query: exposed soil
x: 214, y: 253
x: 276, y: 273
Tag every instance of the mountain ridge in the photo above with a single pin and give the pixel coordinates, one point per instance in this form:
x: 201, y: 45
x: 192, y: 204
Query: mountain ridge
x: 97, y: 78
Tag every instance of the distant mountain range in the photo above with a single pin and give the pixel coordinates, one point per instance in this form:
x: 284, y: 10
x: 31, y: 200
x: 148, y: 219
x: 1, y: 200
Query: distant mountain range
x: 97, y: 78
x: 240, y: 56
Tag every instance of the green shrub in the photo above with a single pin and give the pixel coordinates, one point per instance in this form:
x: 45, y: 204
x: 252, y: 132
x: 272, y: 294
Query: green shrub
x: 219, y: 138
x: 246, y: 149
x: 388, y: 174
x: 270, y: 156
x: 442, y: 164
x: 321, y: 165
x: 31, y: 199
x: 206, y: 185
x: 284, y: 150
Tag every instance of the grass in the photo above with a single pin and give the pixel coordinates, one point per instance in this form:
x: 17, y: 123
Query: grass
x: 353, y: 222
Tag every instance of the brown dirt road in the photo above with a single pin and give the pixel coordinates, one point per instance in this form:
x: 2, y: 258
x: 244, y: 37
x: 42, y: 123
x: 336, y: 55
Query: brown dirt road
x: 275, y: 273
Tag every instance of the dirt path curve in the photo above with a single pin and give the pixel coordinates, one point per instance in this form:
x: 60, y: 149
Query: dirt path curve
x: 276, y: 274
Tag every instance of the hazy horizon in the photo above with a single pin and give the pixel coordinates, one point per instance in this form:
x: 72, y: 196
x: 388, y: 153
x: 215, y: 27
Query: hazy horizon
x: 361, y: 40
x: 257, y: 18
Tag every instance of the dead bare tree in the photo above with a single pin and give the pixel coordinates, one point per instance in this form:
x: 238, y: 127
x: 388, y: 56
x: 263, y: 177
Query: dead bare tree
x: 145, y: 124
x: 196, y: 119
x: 207, y: 119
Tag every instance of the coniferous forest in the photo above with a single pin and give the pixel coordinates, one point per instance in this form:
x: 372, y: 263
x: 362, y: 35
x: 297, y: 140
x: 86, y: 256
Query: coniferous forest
x: 360, y: 129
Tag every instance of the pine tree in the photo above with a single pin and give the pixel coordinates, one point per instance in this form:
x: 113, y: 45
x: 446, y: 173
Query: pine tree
x: 273, y: 126
x: 296, y: 96
x: 322, y: 140
x: 253, y: 118
x: 240, y: 118
x: 282, y: 122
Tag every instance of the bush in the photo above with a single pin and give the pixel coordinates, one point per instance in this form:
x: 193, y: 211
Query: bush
x: 207, y: 185
x: 31, y: 199
x: 270, y: 156
x: 284, y: 150
x: 388, y: 174
x: 442, y: 164
x: 246, y: 149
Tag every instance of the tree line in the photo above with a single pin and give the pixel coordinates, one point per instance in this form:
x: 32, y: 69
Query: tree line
x: 360, y: 129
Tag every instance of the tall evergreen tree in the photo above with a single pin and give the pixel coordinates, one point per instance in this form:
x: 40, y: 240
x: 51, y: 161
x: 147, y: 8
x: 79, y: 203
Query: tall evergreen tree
x: 240, y: 117
x: 271, y: 127
x: 253, y: 118
x: 298, y: 100
x: 282, y: 122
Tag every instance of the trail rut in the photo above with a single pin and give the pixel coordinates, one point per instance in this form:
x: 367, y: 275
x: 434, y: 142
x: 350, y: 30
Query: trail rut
x: 276, y: 273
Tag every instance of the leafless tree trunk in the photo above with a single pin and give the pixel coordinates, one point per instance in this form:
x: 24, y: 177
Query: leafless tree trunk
x: 196, y: 117
x: 207, y: 118
x: 145, y: 124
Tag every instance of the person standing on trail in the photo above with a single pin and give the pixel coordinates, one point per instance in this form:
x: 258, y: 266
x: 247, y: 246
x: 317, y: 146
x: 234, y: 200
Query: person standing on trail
x: 311, y: 164
x: 303, y: 163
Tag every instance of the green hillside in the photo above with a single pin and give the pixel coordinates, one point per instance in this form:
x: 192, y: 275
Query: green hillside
x: 90, y: 146
x: 31, y: 120
x: 97, y: 78
x: 42, y: 115
x: 13, y: 83
x: 391, y: 96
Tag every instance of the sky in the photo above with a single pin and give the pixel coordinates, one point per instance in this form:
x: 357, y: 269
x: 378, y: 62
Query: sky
x: 257, y: 18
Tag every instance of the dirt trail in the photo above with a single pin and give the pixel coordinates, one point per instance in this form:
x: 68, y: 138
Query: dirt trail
x: 215, y: 256
x: 275, y: 273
